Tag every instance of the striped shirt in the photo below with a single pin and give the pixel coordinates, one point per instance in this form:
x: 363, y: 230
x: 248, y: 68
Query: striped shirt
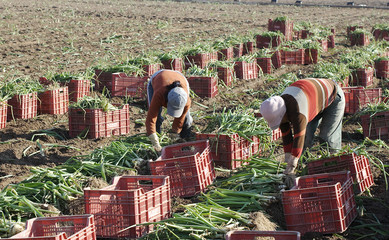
x: 304, y: 100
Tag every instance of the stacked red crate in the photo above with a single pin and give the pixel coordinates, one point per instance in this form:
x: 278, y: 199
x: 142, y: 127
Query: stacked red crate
x: 189, y: 166
x: 362, y: 77
x: 128, y: 201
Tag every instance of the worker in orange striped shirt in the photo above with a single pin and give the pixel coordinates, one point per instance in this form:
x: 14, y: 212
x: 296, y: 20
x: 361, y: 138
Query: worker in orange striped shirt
x: 303, y: 107
x: 170, y: 89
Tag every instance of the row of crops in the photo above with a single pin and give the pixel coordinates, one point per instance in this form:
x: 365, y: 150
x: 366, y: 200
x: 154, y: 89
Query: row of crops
x: 226, y: 204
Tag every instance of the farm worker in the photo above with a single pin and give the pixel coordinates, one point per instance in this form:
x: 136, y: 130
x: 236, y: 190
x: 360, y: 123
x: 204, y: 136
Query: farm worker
x: 170, y: 89
x: 303, y: 107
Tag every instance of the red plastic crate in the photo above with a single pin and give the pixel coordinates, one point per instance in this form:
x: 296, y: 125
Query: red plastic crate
x: 95, y: 123
x: 23, y: 106
x: 362, y: 77
x: 226, y: 53
x: 3, y: 114
x: 227, y: 148
x: 352, y: 28
x: 267, y: 42
x: 226, y: 75
x: 212, y: 56
x: 129, y: 86
x: 203, y: 86
x: 276, y: 59
x: 76, y: 227
x: 253, y: 235
x: 128, y: 201
x: 245, y: 70
x: 286, y: 27
x: 359, y: 40
x: 305, y: 34
x: 78, y: 89
x: 248, y: 48
x: 189, y: 166
x: 103, y: 80
x: 200, y: 59
x: 151, y: 69
x: 276, y: 134
x: 174, y: 64
x: 311, y: 56
x: 331, y: 41
x: 358, y: 165
x: 54, y: 101
x: 324, y: 45
x: 382, y: 69
x: 376, y: 126
x: 320, y: 203
x: 344, y: 83
x: 238, y: 50
x: 297, y: 35
x: 264, y: 64
x: 381, y: 34
x: 358, y: 97
x: 292, y: 57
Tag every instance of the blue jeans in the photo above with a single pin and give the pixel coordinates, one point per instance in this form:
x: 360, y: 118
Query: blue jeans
x: 188, y: 118
x: 329, y: 123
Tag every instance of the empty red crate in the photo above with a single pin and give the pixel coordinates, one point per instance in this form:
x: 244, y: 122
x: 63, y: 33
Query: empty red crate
x: 3, y: 114
x: 227, y: 148
x: 189, y: 166
x: 174, y: 64
x: 203, y: 86
x: 286, y: 27
x: 358, y: 97
x: 226, y: 53
x: 382, y: 68
x: 226, y: 75
x: 376, y: 126
x: 267, y: 42
x: 320, y: 203
x: 54, y: 101
x: 76, y: 227
x: 292, y: 57
x: 151, y: 69
x: 253, y: 235
x: 128, y: 201
x: 311, y: 56
x: 78, y: 89
x: 264, y: 64
x: 23, y: 106
x: 359, y: 40
x: 238, y: 50
x: 245, y: 70
x: 362, y: 77
x: 200, y: 59
x: 95, y: 123
x: 358, y: 165
x: 129, y: 86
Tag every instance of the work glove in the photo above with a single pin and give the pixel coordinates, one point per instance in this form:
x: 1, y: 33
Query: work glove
x: 155, y: 142
x: 291, y: 162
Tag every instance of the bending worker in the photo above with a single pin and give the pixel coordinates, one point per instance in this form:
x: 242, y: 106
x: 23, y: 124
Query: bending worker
x: 298, y: 112
x: 170, y: 89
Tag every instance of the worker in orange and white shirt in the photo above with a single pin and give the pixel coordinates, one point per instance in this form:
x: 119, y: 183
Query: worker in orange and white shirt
x: 170, y: 89
x: 303, y: 107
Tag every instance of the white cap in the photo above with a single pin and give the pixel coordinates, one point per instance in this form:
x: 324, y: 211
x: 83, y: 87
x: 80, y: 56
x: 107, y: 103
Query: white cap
x: 273, y: 110
x: 176, y: 101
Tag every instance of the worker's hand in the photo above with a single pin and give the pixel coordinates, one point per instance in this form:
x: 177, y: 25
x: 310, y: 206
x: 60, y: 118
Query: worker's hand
x: 174, y: 137
x: 291, y: 162
x: 289, y: 181
x: 155, y: 142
